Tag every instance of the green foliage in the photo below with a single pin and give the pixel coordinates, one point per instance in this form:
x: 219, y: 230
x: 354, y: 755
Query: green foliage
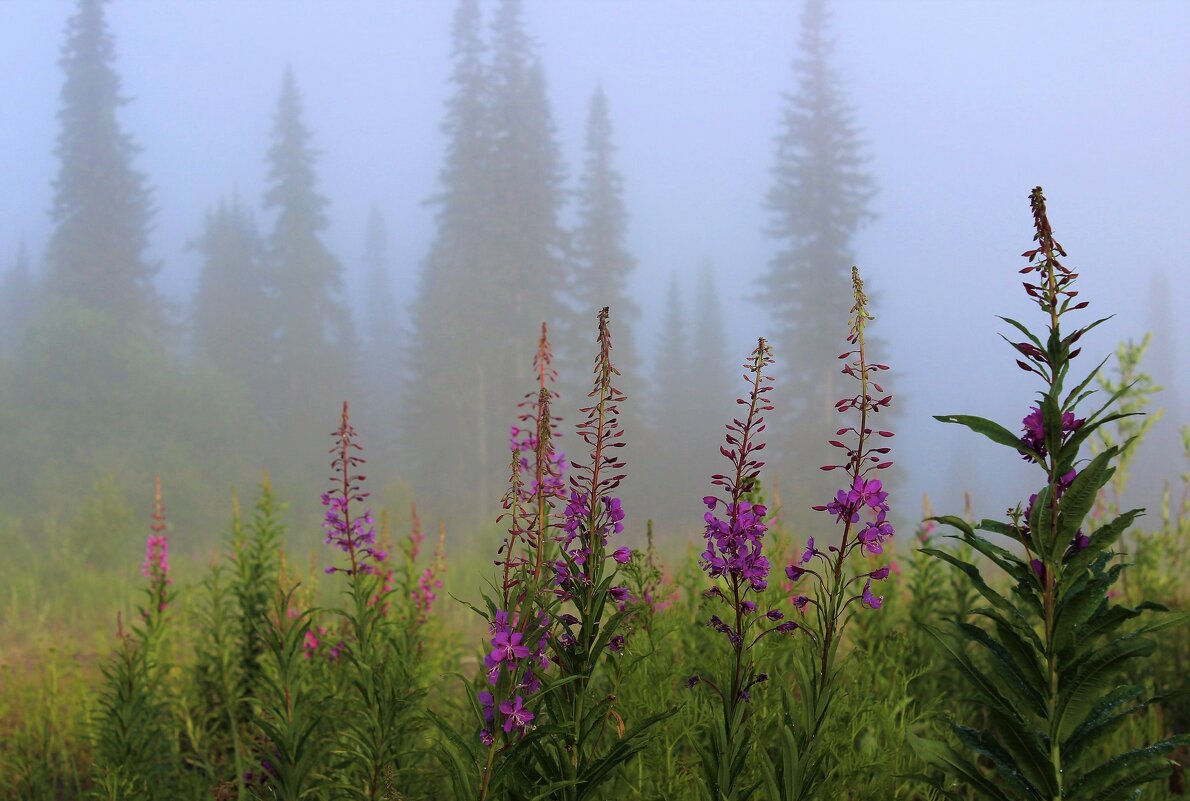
x: 131, y: 731
x: 1052, y: 653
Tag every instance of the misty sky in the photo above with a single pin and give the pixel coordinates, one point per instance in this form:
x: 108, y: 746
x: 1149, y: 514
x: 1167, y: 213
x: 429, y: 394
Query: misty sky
x: 965, y: 106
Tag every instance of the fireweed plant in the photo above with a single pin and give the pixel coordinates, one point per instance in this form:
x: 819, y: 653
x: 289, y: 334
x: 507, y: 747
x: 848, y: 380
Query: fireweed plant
x: 543, y: 726
x: 796, y: 767
x: 739, y: 571
x: 1049, y: 679
x: 379, y: 727
x: 133, y: 757
x: 506, y: 704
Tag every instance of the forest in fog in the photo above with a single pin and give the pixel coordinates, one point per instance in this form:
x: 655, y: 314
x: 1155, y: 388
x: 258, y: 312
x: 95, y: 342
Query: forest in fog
x: 512, y: 400
x: 208, y: 349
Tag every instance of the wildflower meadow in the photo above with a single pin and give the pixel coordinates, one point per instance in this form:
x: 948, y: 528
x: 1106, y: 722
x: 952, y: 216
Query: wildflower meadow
x: 1040, y: 656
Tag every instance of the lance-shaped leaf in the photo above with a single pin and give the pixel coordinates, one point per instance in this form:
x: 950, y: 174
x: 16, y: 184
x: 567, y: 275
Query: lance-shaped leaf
x: 1081, y: 682
x: 1019, y: 757
x: 1126, y: 771
x: 1103, y: 538
x: 992, y: 430
x: 944, y: 757
x: 1026, y: 686
x: 1079, y: 497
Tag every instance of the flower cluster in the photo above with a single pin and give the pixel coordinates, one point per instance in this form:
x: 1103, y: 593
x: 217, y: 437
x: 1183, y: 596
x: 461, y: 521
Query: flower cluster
x: 424, y: 593
x: 866, y: 496
x: 574, y: 566
x: 512, y: 659
x: 355, y: 536
x: 1035, y: 435
x: 312, y: 643
x: 734, y: 546
x: 156, y: 563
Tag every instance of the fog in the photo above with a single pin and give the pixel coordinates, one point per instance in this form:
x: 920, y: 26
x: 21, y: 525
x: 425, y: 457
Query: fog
x: 961, y: 108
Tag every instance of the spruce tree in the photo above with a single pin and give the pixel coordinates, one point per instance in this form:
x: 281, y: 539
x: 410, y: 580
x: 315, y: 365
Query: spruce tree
x: 382, y: 340
x: 818, y: 200
x: 673, y: 413
x: 713, y: 365
x: 445, y: 430
x: 312, y: 331
x: 601, y: 261
x: 230, y: 326
x: 17, y: 298
x: 495, y: 269
x: 101, y: 208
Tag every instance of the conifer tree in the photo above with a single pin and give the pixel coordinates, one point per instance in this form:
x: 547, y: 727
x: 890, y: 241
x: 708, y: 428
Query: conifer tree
x: 495, y: 269
x: 711, y: 360
x: 230, y: 325
x: 382, y: 340
x: 441, y: 419
x: 527, y: 242
x: 601, y: 261
x: 673, y: 457
x: 313, y: 335
x: 818, y: 200
x: 101, y: 207
x: 17, y: 298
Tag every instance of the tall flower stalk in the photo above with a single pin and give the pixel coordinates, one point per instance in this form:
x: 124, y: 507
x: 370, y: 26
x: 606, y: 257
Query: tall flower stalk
x: 1048, y: 681
x: 734, y: 560
x: 379, y: 723
x: 837, y: 589
x: 133, y: 758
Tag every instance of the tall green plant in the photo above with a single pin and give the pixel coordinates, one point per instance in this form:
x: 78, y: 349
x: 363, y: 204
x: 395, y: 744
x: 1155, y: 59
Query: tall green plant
x: 1051, y: 652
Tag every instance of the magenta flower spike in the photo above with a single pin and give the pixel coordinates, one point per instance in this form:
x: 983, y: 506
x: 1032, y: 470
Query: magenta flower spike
x: 354, y: 535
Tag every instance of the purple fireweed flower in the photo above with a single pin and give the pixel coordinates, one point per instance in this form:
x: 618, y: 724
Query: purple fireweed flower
x: 869, y: 600
x: 734, y: 546
x: 788, y: 627
x: 516, y: 716
x: 486, y: 738
x: 800, y: 601
x: 622, y: 555
x: 488, y: 704
x: 774, y: 614
x: 809, y: 553
x: 618, y: 594
x: 616, y: 643
x: 1034, y: 430
x: 794, y: 572
x: 693, y: 680
x: 506, y: 647
x: 156, y: 561
x: 355, y: 536
x: 880, y: 573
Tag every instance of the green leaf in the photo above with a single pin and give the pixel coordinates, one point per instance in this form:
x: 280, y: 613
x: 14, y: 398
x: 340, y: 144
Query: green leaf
x: 1075, y: 395
x: 1028, y: 334
x: 989, y: 693
x: 993, y: 431
x: 1103, y: 719
x: 1024, y: 645
x: 1079, y: 497
x: 1081, y: 682
x: 1128, y: 770
x: 1013, y: 773
x: 973, y: 574
x: 1027, y: 687
x: 1103, y: 538
x: 1083, y: 600
x: 944, y: 757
